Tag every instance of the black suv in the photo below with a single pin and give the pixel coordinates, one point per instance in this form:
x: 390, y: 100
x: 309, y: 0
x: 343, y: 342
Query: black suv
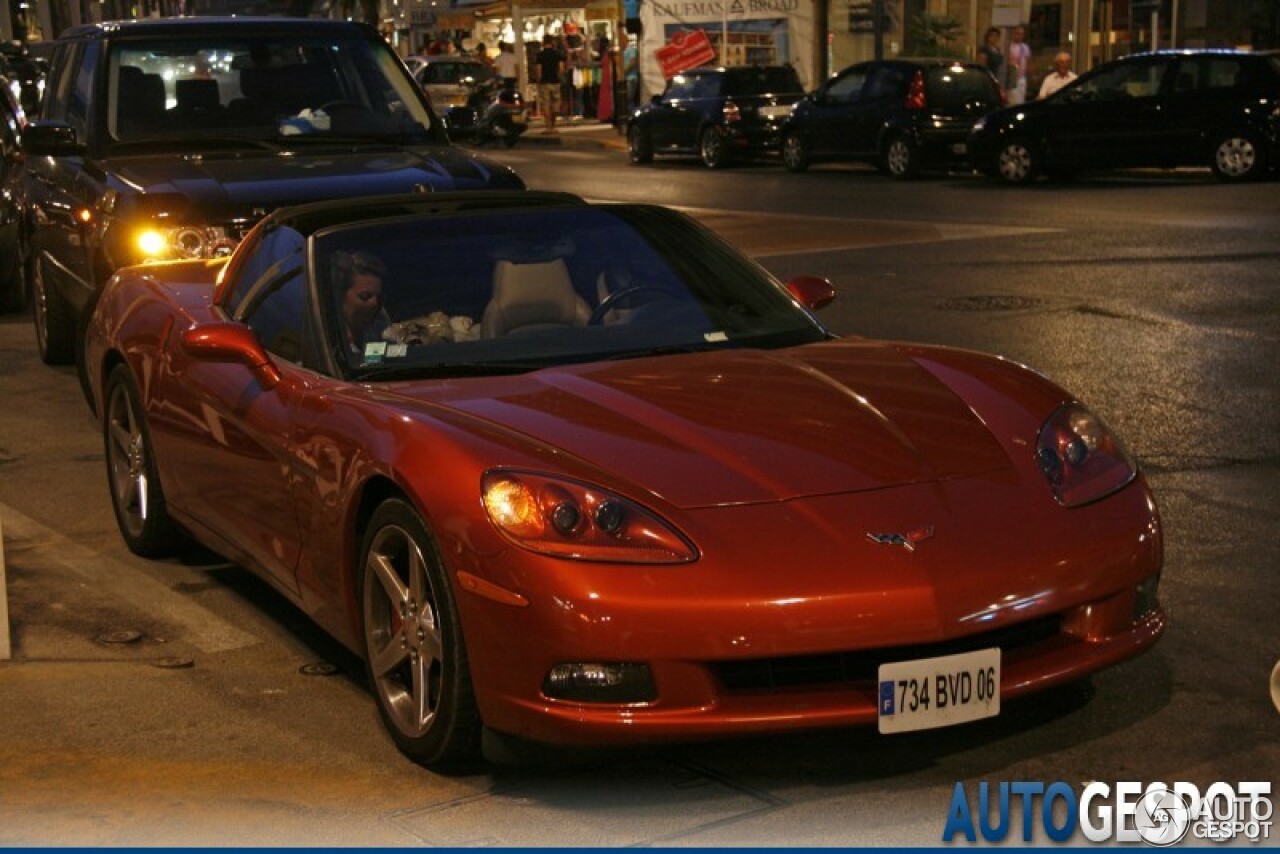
x: 170, y: 138
x: 899, y: 115
x: 1215, y: 108
x: 720, y: 114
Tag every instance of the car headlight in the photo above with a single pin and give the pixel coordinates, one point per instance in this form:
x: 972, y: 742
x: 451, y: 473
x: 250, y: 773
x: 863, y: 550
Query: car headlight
x: 566, y: 518
x: 980, y: 124
x: 1080, y: 456
x: 172, y: 243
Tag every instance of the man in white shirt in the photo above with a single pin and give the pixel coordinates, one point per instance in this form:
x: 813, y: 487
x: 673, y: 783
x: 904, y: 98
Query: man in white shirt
x: 1059, y: 77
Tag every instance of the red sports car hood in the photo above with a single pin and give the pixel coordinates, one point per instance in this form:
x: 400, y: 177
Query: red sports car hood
x: 746, y: 426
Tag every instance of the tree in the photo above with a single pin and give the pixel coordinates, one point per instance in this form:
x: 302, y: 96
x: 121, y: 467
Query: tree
x: 933, y: 34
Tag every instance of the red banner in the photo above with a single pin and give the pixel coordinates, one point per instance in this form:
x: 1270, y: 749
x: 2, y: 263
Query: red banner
x: 687, y: 49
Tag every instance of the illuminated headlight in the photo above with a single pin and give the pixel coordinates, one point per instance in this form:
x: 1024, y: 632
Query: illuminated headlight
x: 980, y: 123
x: 565, y: 518
x: 1081, y: 458
x: 184, y: 242
x: 601, y: 682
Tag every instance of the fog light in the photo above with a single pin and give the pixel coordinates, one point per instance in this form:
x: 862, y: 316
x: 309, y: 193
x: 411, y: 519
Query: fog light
x: 1144, y: 598
x: 601, y: 682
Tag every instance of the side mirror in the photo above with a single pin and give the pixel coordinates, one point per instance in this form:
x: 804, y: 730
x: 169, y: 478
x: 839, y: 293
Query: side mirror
x: 811, y: 292
x: 41, y: 139
x: 231, y: 342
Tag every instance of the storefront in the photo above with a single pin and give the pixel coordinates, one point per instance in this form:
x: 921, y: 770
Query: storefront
x: 743, y: 32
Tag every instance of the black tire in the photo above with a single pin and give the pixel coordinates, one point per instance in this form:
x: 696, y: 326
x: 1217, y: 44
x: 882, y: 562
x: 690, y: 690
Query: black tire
x: 55, y: 324
x: 1017, y: 162
x: 713, y: 148
x: 901, y: 158
x: 415, y: 654
x: 132, y: 476
x: 1238, y: 157
x: 639, y: 145
x: 795, y: 154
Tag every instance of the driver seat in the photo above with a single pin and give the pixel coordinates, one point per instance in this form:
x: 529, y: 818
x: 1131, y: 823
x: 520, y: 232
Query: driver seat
x: 529, y: 297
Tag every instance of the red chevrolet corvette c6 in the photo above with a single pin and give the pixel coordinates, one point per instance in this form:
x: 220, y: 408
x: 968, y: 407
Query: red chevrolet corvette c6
x: 584, y: 474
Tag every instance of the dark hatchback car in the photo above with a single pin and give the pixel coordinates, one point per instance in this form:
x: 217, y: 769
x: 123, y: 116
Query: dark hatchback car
x: 899, y: 115
x: 170, y: 138
x: 1214, y: 108
x: 12, y: 121
x: 720, y: 114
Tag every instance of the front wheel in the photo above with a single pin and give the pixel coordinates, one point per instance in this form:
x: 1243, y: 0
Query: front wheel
x: 1017, y: 162
x: 901, y: 158
x: 415, y: 654
x: 795, y: 156
x: 132, y: 475
x: 639, y: 145
x: 1237, y: 157
x: 713, y: 148
x: 55, y: 325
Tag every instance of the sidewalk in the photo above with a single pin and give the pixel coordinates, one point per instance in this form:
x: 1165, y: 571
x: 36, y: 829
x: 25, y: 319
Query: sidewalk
x: 575, y: 131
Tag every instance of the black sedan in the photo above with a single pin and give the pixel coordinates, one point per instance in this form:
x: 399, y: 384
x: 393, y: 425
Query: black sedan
x: 899, y: 115
x: 719, y: 114
x: 1214, y: 108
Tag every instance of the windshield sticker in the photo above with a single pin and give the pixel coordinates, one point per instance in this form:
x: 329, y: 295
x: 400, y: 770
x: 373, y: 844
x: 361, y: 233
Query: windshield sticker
x: 374, y: 351
x: 397, y: 351
x: 715, y: 337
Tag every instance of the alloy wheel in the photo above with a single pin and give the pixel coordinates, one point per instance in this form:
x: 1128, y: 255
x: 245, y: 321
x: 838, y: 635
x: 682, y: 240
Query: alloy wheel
x: 1016, y: 163
x: 127, y: 461
x: 1235, y: 158
x: 402, y: 632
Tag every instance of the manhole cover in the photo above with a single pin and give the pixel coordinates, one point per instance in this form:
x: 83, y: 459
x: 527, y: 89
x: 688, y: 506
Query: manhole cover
x: 990, y: 302
x: 318, y: 668
x: 121, y: 636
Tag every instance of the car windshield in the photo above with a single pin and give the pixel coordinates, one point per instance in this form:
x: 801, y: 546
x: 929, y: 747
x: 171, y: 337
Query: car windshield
x: 259, y: 88
x: 519, y: 290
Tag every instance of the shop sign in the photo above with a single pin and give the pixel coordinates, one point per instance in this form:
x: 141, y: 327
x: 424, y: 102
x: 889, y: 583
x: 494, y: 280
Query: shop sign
x: 687, y: 49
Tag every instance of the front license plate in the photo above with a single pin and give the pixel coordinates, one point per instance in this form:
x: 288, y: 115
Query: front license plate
x: 959, y: 148
x: 775, y: 111
x: 519, y: 118
x: 937, y: 692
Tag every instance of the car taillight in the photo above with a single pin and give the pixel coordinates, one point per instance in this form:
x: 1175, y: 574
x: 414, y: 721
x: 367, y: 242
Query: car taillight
x: 731, y: 112
x: 915, y: 95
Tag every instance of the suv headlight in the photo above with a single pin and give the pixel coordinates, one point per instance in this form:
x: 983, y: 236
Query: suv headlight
x: 172, y: 243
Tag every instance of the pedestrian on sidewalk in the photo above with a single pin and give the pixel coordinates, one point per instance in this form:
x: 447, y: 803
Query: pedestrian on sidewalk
x: 549, y: 65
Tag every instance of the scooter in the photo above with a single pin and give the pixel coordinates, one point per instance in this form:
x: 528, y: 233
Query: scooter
x: 494, y: 112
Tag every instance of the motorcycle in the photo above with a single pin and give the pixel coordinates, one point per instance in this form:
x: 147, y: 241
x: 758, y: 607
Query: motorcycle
x: 494, y: 112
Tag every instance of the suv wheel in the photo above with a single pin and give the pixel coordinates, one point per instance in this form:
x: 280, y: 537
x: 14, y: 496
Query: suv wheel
x: 794, y: 155
x: 639, y: 145
x: 901, y: 158
x: 1017, y: 162
x: 712, y: 148
x: 55, y: 327
x: 1237, y: 157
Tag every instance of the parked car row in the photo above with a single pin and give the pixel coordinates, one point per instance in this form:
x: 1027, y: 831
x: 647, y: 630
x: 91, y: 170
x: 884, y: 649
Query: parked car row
x: 1214, y: 108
